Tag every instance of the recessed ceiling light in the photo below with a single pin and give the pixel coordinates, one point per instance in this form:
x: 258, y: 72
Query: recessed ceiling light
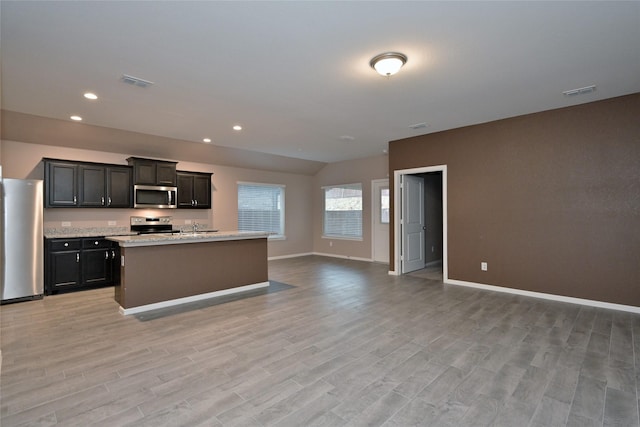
x: 76, y: 118
x: 206, y: 140
x: 90, y: 95
x: 237, y: 127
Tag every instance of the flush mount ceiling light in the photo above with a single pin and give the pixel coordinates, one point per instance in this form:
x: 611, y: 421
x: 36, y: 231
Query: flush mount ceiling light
x: 76, y: 118
x: 237, y: 127
x: 91, y: 95
x: 389, y: 63
x: 207, y: 140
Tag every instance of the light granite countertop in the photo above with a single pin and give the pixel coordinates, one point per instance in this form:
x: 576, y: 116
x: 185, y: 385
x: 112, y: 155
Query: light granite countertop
x: 69, y: 232
x: 187, y: 237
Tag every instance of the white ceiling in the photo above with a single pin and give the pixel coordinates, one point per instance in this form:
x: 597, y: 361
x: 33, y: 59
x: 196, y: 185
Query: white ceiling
x: 296, y: 75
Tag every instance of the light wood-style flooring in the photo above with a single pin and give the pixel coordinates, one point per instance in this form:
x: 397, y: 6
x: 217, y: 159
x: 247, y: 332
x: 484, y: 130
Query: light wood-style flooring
x: 346, y: 344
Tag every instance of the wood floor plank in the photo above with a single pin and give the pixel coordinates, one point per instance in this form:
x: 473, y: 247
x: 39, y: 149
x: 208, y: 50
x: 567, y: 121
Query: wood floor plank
x: 337, y: 342
x: 620, y: 409
x: 589, y: 398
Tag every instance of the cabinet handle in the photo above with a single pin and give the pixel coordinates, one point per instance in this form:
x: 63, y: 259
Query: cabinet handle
x: 78, y: 257
x: 106, y: 254
x: 66, y: 244
x: 196, y: 202
x: 113, y: 254
x: 170, y: 198
x: 75, y: 200
x: 102, y: 200
x: 96, y: 243
x: 109, y: 201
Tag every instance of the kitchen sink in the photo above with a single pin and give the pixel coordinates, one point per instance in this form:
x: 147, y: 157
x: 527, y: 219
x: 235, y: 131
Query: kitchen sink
x: 198, y: 233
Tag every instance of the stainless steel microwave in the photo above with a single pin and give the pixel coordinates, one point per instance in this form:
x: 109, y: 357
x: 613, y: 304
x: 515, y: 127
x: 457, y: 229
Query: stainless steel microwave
x: 154, y: 196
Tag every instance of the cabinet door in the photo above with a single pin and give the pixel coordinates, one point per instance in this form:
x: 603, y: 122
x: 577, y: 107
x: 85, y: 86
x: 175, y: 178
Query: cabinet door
x: 185, y: 190
x: 202, y: 191
x: 64, y: 270
x: 145, y: 172
x: 93, y: 186
x: 166, y: 174
x: 119, y: 187
x: 115, y: 263
x: 61, y: 185
x: 96, y: 266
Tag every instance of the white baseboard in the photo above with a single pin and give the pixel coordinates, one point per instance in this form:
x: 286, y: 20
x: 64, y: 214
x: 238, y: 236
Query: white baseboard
x: 200, y: 297
x: 289, y: 256
x: 542, y: 295
x: 321, y: 254
x: 343, y: 257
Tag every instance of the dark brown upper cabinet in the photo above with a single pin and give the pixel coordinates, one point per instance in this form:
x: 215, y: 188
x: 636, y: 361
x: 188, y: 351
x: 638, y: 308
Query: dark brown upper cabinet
x: 87, y: 185
x: 153, y: 172
x: 194, y: 190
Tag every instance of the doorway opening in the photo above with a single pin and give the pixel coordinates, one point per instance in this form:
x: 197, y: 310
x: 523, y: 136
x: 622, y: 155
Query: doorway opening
x: 420, y: 221
x: 380, y: 220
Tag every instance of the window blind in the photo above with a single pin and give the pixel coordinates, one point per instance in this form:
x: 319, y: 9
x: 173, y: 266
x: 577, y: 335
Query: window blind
x: 261, y: 208
x: 343, y: 211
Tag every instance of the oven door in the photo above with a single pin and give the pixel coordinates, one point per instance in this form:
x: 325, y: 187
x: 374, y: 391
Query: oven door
x: 152, y: 196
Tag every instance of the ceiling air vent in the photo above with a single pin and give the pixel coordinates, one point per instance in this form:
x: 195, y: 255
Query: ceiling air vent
x: 136, y: 81
x: 579, y: 91
x: 418, y: 126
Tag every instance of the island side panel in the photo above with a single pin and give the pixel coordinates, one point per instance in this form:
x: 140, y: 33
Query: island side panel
x: 153, y: 274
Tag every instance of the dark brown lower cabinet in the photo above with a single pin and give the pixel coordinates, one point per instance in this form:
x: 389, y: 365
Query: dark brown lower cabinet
x: 80, y: 263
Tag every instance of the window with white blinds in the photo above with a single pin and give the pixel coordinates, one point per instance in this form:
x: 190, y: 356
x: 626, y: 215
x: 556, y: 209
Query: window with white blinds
x: 343, y: 211
x: 261, y: 208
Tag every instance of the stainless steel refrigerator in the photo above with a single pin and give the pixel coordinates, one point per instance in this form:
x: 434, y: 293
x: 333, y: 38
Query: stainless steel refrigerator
x: 22, y: 243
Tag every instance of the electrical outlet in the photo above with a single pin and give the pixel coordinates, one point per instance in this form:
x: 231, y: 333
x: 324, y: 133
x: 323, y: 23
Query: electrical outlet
x: 66, y: 223
x: 111, y: 223
x: 483, y: 266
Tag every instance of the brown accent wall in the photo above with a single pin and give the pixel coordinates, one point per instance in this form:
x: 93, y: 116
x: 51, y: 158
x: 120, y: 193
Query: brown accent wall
x: 550, y: 200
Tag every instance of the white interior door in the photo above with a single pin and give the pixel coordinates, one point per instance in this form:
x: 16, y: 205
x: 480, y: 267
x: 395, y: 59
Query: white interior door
x: 413, y: 256
x: 380, y: 218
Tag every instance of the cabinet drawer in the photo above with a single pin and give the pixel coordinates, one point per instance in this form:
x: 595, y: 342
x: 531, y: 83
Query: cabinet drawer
x: 64, y: 244
x: 95, y: 243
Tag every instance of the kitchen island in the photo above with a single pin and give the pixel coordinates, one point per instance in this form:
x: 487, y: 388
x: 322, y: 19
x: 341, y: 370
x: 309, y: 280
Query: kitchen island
x: 162, y: 270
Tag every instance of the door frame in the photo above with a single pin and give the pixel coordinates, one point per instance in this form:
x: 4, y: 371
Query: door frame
x: 375, y: 185
x: 398, y: 214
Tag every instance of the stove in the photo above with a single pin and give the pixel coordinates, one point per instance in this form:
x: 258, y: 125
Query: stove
x: 145, y: 225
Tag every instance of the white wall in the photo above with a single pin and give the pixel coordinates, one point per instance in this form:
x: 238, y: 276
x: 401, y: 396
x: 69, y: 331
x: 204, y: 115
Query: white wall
x: 348, y: 172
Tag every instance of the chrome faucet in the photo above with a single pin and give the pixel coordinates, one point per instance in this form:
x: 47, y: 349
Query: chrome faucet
x: 195, y: 227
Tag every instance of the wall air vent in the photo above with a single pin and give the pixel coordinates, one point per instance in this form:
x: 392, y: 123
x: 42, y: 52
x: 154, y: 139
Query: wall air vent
x: 136, y: 81
x: 580, y: 91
